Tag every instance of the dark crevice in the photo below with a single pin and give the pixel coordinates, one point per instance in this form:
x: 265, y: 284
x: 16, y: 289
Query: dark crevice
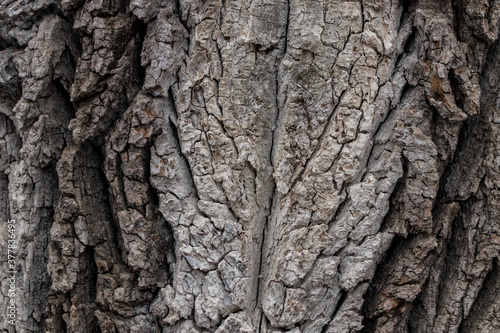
x: 437, y: 124
x: 4, y: 197
x: 88, y: 160
x: 408, y: 8
x: 362, y: 12
x: 456, y: 89
x: 320, y: 139
x: 51, y: 9
x: 466, y: 165
x: 8, y: 128
x: 404, y: 93
x: 64, y: 327
x: 411, y: 40
x: 261, y: 251
x: 113, y: 227
x: 129, y: 90
x: 369, y: 324
x: 489, y: 75
x: 39, y: 277
x: 125, y: 7
x: 340, y: 302
x: 261, y: 247
x: 262, y: 318
x: 468, y: 156
x: 287, y: 26
x: 166, y: 230
x: 85, y: 289
x: 92, y: 274
x: 274, y: 137
x: 170, y: 246
x: 8, y: 44
x: 175, y: 133
x: 399, y: 188
x: 151, y: 191
x: 113, y: 235
x: 343, y: 297
x: 419, y: 311
x: 457, y: 7
x: 177, y: 137
x: 332, y: 221
x: 407, y: 48
x: 455, y: 244
x: 66, y: 99
x: 140, y: 29
x: 115, y: 114
x: 398, y: 244
x: 177, y: 10
x: 10, y: 90
x: 275, y: 132
x: 483, y: 301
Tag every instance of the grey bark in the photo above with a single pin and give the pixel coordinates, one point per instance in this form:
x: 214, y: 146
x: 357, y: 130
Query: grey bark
x: 305, y: 166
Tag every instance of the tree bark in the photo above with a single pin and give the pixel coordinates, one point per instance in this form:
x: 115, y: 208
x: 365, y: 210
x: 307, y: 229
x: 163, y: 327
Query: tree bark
x: 304, y: 166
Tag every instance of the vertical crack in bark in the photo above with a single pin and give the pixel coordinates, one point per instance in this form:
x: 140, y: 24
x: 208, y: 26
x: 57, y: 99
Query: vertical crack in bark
x: 166, y: 229
x: 326, y: 130
x: 176, y: 135
x: 140, y: 29
x: 483, y: 310
x: 286, y: 27
x: 273, y: 200
x: 338, y: 306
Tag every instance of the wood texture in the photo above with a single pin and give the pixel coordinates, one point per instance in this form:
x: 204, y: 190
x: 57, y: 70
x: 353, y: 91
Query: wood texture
x: 302, y: 166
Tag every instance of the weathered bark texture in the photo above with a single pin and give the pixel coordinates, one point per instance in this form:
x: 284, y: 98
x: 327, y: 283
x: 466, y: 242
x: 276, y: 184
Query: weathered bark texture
x: 305, y: 166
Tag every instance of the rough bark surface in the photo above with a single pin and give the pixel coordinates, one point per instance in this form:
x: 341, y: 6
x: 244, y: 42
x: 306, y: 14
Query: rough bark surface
x: 303, y: 166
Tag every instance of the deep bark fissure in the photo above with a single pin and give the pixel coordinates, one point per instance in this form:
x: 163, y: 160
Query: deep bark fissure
x: 485, y: 298
x: 340, y: 302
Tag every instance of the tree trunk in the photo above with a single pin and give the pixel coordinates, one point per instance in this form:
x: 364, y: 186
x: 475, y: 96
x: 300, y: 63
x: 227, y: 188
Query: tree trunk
x: 304, y: 166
